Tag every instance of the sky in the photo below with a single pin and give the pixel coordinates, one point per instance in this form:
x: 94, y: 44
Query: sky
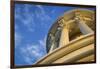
x: 32, y: 23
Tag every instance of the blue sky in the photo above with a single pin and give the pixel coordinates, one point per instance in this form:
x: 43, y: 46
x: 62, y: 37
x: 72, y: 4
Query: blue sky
x: 32, y: 23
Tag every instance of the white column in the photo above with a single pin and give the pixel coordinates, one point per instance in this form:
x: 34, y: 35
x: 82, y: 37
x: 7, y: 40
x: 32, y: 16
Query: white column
x: 64, y: 39
x: 52, y: 46
x: 83, y: 27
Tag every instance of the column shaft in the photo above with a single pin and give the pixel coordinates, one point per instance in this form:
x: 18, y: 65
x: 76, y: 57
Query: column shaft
x: 84, y: 28
x: 64, y: 39
x: 52, y: 48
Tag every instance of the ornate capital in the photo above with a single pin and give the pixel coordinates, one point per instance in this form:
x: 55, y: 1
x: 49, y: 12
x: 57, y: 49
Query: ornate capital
x: 79, y: 17
x: 63, y: 24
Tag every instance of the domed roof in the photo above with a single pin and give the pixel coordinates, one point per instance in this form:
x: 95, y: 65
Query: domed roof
x: 69, y: 17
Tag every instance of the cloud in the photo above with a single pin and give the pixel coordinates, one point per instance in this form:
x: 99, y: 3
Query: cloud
x: 53, y: 11
x: 18, y: 39
x: 18, y: 36
x: 42, y: 14
x: 42, y: 42
x: 28, y: 60
x: 33, y: 52
x: 29, y: 22
x: 30, y: 53
x: 25, y: 16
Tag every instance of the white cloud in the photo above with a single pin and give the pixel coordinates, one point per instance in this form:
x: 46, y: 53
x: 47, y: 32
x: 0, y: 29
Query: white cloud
x: 28, y: 60
x: 42, y: 15
x: 18, y: 39
x: 17, y: 35
x: 25, y: 17
x: 53, y: 11
x: 29, y: 22
x: 39, y: 6
x: 16, y: 27
x: 32, y: 52
x: 42, y: 42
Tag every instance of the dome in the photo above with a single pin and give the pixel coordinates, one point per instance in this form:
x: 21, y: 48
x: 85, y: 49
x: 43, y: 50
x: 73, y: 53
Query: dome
x: 74, y: 31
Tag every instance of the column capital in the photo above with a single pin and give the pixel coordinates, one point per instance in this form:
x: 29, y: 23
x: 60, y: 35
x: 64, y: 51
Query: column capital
x: 63, y: 24
x: 79, y: 17
x: 84, y: 28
